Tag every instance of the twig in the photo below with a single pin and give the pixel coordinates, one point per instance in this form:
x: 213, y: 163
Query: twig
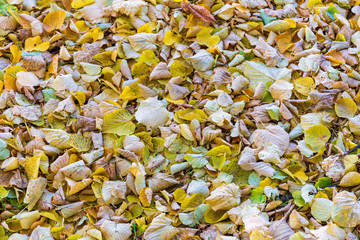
x: 289, y: 211
x: 351, y: 150
x: 184, y: 105
x: 286, y: 208
x: 339, y: 149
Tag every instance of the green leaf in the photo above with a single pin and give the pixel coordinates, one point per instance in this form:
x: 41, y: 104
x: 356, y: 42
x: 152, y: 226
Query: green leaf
x: 274, y: 112
x: 200, y: 212
x: 331, y: 12
x: 6, y: 8
x: 30, y: 54
x: 254, y: 179
x: 298, y: 200
x: 266, y: 18
x: 187, y: 219
x: 196, y: 160
x: 257, y: 195
x: 321, y: 209
x: 4, y: 154
x: 248, y: 56
x: 240, y: 176
x: 48, y: 93
x: 267, y: 97
x: 279, y: 175
x: 2, y: 144
x: 323, y: 182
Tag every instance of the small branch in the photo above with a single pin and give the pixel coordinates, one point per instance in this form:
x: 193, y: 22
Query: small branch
x: 288, y: 207
x: 339, y: 149
x: 352, y: 150
x: 289, y: 211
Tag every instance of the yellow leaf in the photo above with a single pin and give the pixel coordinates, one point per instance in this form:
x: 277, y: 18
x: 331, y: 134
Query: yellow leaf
x: 345, y: 108
x: 80, y: 97
x: 10, y: 77
x: 291, y: 22
x: 146, y: 196
x: 301, y: 176
x: 335, y: 57
x: 265, y: 182
x: 316, y: 137
x: 31, y: 167
x: 204, y: 38
x: 148, y: 57
x: 321, y: 195
x: 350, y: 179
x: 284, y: 42
x: 172, y: 37
x: 80, y: 143
x: 34, y: 191
x: 312, y: 3
x: 190, y: 114
x: 54, y: 20
x: 340, y: 37
x: 105, y: 58
x: 190, y: 203
x: 36, y: 44
x: 179, y: 195
x: 350, y: 163
x: 118, y: 122
x: 81, y: 3
x: 304, y: 85
x: 130, y: 92
x: 181, y: 69
x: 212, y: 216
x: 3, y: 192
x: 259, y: 235
x: 16, y: 53
x: 52, y: 214
x: 91, y: 36
x: 147, y: 28
x: 53, y: 67
x: 297, y: 173
x: 56, y: 231
x: 81, y: 26
x: 76, y: 187
x: 140, y: 69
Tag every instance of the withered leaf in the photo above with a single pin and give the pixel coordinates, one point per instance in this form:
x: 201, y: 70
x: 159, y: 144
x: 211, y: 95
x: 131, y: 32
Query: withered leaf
x: 200, y: 12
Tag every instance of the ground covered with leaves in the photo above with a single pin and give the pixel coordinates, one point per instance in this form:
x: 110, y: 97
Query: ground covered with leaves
x: 162, y: 119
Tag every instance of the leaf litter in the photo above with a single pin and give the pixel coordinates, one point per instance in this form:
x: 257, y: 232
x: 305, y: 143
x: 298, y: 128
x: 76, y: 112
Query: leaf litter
x: 171, y: 119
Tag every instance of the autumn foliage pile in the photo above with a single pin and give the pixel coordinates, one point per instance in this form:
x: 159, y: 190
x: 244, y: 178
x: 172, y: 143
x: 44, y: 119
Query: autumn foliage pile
x: 164, y: 120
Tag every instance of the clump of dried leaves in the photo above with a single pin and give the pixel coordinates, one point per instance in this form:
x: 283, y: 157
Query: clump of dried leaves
x: 163, y: 119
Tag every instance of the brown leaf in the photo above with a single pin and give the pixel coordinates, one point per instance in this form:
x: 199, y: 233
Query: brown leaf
x: 66, y: 4
x: 5, y: 178
x: 322, y: 100
x: 200, y: 12
x: 18, y: 180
